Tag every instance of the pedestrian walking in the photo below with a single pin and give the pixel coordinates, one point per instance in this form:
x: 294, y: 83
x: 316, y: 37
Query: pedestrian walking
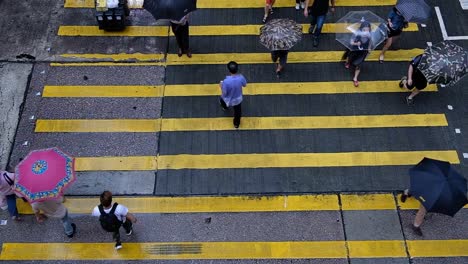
x: 300, y: 4
x: 420, y: 214
x: 231, y: 92
x: 112, y: 216
x: 356, y: 57
x: 318, y: 13
x: 268, y: 9
x: 282, y: 56
x: 415, y: 81
x: 180, y: 29
x: 7, y: 180
x: 54, y: 208
x: 395, y: 24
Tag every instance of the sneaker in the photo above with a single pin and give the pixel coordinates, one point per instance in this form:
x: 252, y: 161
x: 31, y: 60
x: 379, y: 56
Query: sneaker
x: 74, y: 231
x: 302, y: 5
x: 315, y: 41
x: 297, y: 6
x: 417, y: 230
x: 409, y: 101
x: 236, y: 126
x: 118, y: 245
x: 404, y: 78
x: 130, y: 232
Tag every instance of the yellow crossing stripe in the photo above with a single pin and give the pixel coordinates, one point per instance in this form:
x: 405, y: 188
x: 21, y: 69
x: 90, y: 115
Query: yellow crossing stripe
x: 235, y: 250
x: 119, y: 57
x: 267, y: 160
x: 295, y: 160
x: 293, y: 57
x: 241, y: 58
x: 210, y: 30
x: 206, y: 204
x: 213, y: 89
x: 244, y: 3
x: 240, y: 204
x: 248, y: 123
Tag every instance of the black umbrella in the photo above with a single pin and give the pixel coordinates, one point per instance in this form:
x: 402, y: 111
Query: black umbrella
x: 444, y: 63
x: 438, y: 186
x: 414, y: 10
x: 170, y: 9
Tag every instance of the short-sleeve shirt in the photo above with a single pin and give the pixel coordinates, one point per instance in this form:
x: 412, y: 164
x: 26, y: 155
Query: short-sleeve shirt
x: 419, y: 80
x: 120, y: 211
x: 232, y: 89
x: 319, y: 7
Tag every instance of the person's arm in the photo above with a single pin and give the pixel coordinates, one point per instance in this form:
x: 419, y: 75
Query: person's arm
x: 390, y: 17
x: 410, y: 74
x: 131, y: 217
x: 306, y: 8
x: 332, y: 9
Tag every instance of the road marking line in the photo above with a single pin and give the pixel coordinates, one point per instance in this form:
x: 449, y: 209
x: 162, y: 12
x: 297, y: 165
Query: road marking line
x: 444, y: 30
x: 301, y: 160
x: 209, y: 30
x: 351, y: 202
x: 133, y: 163
x: 225, y: 123
x: 206, y: 204
x: 243, y: 58
x: 129, y: 57
x: 105, y: 64
x: 253, y: 89
x: 242, y: 3
x: 235, y: 250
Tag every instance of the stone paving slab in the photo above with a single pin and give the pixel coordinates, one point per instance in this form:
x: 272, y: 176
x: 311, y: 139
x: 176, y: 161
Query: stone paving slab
x: 372, y: 225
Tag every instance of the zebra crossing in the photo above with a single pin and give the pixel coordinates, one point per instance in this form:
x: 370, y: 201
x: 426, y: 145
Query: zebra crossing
x: 310, y: 132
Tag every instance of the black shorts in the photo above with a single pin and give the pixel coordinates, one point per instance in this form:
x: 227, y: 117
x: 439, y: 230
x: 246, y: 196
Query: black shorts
x: 282, y: 55
x: 393, y: 32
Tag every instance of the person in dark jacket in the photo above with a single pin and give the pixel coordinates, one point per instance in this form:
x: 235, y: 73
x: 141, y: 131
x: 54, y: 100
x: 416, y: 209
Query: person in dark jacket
x: 318, y: 13
x: 395, y: 24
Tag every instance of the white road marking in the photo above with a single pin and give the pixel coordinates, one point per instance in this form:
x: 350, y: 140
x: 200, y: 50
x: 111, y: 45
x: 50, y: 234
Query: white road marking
x: 450, y: 107
x: 457, y: 130
x: 444, y: 30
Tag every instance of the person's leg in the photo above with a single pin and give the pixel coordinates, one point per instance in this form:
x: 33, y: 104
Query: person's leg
x: 410, y: 98
x: 237, y: 115
x: 186, y: 39
x: 176, y: 31
x: 222, y: 104
x: 282, y: 61
x: 266, y: 11
x: 356, y: 74
x: 11, y: 202
x: 128, y: 226
x: 320, y: 22
x: 385, y: 48
x: 67, y: 225
x: 418, y: 220
x: 313, y: 23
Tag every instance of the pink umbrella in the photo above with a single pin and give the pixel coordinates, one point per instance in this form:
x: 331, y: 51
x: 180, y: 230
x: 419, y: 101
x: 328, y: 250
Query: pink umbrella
x: 44, y: 174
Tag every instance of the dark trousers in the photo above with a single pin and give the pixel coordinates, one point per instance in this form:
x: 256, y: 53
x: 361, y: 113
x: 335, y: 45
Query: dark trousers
x: 299, y: 1
x: 181, y: 33
x: 127, y: 225
x: 237, y: 111
x: 11, y: 202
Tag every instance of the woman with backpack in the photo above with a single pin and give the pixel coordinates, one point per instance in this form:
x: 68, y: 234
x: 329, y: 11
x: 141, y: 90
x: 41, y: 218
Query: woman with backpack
x: 112, y: 216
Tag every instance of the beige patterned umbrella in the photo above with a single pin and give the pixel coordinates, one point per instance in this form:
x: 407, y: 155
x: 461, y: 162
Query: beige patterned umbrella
x: 280, y: 34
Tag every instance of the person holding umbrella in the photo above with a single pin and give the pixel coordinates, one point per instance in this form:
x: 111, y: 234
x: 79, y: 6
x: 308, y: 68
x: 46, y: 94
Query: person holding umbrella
x: 361, y: 41
x: 395, y: 24
x: 54, y: 209
x: 415, y: 81
x: 180, y: 28
x: 438, y: 188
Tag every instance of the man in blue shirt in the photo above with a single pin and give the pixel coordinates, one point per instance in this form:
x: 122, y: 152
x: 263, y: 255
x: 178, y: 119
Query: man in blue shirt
x: 231, y: 91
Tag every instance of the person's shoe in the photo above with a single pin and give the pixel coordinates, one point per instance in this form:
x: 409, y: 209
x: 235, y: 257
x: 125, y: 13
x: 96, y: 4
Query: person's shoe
x: 264, y: 19
x: 417, y: 230
x: 278, y: 74
x: 129, y: 233
x: 311, y: 29
x: 298, y: 6
x: 179, y: 53
x: 409, y: 101
x: 315, y: 41
x: 271, y: 11
x: 189, y: 54
x: 346, y: 65
x: 302, y: 5
x: 403, y: 197
x: 403, y: 79
x: 381, y: 59
x: 236, y: 126
x: 118, y: 245
x: 17, y: 218
x: 74, y: 231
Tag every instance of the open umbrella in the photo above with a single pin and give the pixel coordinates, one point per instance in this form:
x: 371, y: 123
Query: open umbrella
x: 352, y: 25
x: 280, y: 34
x: 438, y: 186
x: 170, y: 9
x: 44, y: 174
x: 444, y: 63
x: 414, y: 10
